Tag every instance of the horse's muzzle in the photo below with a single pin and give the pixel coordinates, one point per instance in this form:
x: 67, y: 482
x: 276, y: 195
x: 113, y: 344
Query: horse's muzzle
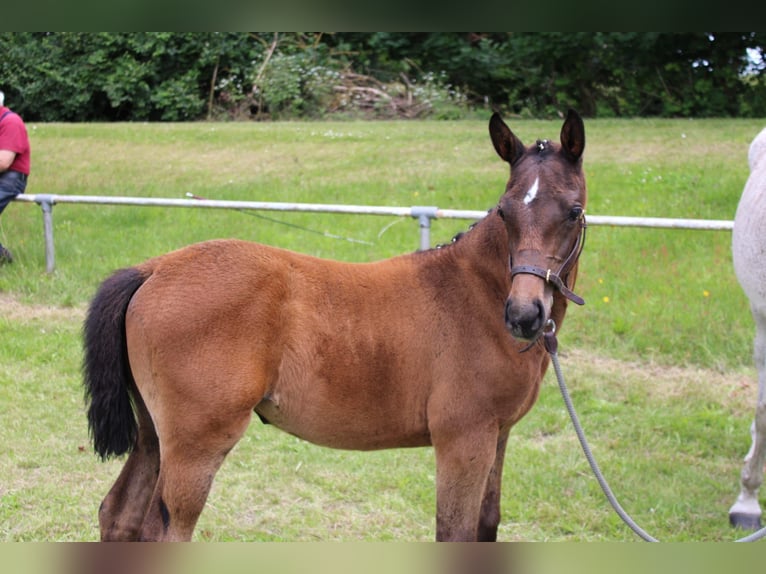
x: 525, y: 319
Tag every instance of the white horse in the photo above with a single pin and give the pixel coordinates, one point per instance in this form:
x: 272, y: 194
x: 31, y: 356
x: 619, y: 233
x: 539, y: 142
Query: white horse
x: 749, y: 252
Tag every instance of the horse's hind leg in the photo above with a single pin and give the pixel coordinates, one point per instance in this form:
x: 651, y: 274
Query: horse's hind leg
x: 746, y: 511
x: 190, y: 458
x: 489, y: 519
x: 122, y: 510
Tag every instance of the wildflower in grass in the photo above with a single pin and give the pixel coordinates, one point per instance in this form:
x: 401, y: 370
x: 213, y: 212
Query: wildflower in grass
x: 705, y: 293
x: 605, y: 299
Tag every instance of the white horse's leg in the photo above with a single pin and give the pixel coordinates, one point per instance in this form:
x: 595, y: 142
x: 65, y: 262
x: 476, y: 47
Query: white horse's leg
x: 746, y: 512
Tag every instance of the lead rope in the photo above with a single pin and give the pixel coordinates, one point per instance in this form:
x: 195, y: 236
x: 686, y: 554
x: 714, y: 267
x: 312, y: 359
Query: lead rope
x: 551, y: 345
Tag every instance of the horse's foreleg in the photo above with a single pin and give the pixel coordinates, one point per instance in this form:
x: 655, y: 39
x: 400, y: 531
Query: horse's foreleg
x: 746, y: 511
x: 463, y: 463
x: 489, y: 518
x: 122, y: 510
x: 189, y: 462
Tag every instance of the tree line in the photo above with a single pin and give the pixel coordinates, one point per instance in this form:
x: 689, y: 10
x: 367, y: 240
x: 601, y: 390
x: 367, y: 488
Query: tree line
x: 170, y: 76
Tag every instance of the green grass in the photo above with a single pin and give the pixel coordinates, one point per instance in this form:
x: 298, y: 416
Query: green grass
x: 658, y: 360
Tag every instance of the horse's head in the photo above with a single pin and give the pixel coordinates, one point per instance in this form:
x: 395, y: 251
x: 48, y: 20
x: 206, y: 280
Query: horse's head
x: 544, y: 212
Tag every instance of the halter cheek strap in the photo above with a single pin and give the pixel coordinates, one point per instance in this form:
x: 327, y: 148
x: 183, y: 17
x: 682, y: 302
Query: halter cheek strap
x: 555, y: 278
x: 550, y: 277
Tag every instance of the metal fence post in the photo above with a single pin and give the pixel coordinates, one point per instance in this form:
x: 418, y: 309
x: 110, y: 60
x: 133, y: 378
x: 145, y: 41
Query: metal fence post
x: 424, y: 215
x: 46, y: 203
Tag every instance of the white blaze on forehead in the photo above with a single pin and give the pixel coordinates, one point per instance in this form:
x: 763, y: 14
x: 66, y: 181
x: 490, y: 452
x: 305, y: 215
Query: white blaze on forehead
x: 532, y: 193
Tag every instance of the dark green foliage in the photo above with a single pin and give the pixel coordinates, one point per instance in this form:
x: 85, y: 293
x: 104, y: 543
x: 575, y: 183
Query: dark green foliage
x: 170, y: 76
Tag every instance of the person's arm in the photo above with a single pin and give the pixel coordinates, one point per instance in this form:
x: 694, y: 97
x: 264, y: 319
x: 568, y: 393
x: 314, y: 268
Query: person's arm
x: 6, y: 159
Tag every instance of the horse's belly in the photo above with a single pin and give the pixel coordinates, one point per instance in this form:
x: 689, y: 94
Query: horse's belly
x: 349, y: 430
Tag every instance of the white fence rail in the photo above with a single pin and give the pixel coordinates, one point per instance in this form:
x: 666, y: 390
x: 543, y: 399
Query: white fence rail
x: 424, y: 214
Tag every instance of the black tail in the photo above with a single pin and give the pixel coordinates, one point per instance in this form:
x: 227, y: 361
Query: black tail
x: 106, y: 370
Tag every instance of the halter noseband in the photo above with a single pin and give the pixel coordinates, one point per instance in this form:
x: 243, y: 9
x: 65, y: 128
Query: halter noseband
x: 555, y: 279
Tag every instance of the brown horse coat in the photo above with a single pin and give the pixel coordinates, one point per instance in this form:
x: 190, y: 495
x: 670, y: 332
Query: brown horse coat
x: 410, y: 351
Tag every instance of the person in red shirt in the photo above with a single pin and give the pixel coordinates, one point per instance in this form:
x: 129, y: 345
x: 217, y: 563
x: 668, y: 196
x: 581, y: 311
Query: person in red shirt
x: 15, y: 155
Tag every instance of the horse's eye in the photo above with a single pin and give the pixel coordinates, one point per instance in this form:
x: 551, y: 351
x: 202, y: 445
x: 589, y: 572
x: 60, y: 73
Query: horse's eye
x: 500, y: 213
x: 575, y: 213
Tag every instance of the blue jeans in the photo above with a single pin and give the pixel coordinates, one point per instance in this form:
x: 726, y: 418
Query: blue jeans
x: 12, y: 183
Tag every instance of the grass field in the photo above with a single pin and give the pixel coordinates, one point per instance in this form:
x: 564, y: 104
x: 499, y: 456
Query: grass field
x: 658, y: 361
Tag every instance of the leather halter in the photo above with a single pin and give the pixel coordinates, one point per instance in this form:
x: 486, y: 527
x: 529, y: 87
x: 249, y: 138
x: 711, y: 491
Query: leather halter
x: 558, y: 278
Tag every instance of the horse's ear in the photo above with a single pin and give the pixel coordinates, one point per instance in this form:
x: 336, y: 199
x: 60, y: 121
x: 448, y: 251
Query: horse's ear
x: 507, y: 145
x: 573, y: 136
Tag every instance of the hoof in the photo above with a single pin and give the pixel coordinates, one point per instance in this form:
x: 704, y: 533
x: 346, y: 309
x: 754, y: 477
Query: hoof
x: 745, y: 521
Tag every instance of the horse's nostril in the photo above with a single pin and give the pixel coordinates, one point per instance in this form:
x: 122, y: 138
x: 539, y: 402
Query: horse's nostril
x: 540, y: 320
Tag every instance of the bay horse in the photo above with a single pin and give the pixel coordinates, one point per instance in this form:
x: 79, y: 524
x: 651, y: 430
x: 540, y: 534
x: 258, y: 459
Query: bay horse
x: 748, y: 237
x: 435, y: 348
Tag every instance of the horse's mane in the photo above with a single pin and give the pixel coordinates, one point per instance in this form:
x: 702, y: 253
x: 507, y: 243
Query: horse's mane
x: 458, y: 236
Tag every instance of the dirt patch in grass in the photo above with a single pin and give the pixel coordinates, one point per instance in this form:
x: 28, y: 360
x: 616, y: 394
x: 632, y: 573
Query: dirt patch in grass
x: 734, y: 389
x: 13, y: 310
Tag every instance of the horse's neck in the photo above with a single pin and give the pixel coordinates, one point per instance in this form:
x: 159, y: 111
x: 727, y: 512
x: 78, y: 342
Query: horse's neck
x: 485, y: 249
x: 490, y: 238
